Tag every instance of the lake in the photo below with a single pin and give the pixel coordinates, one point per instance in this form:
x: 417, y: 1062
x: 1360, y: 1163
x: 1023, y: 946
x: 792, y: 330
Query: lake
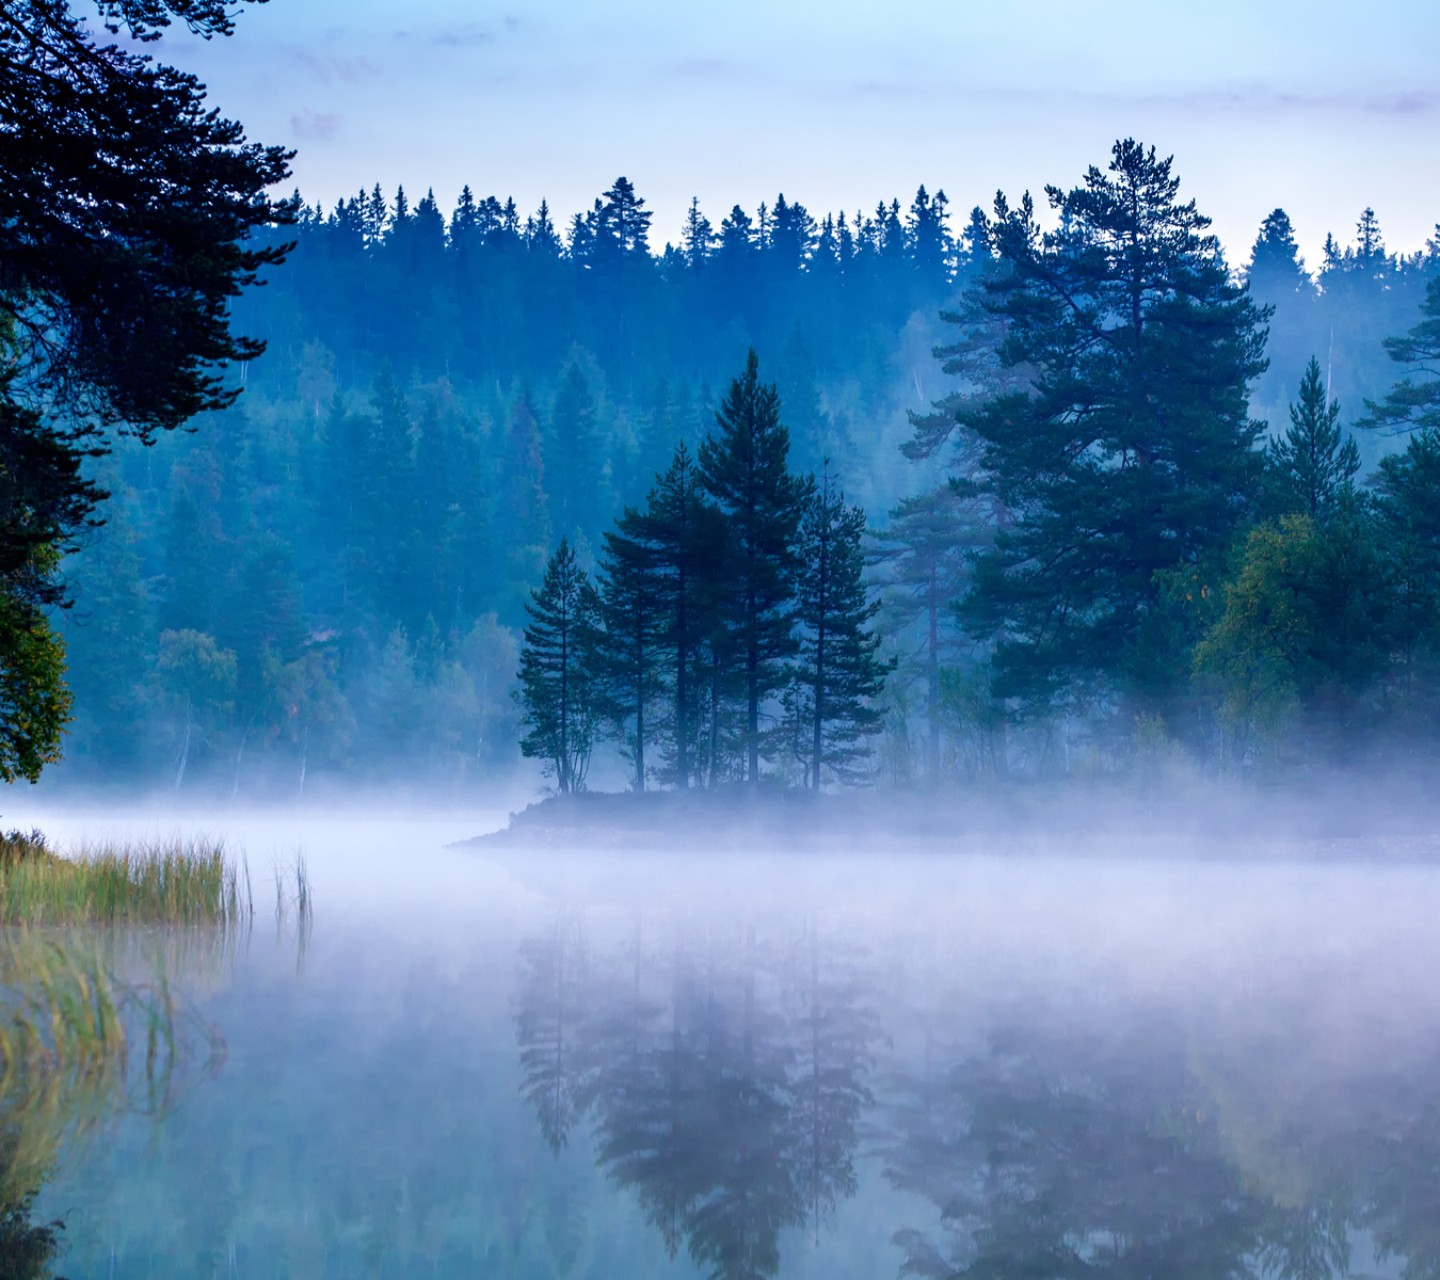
x: 854, y: 1064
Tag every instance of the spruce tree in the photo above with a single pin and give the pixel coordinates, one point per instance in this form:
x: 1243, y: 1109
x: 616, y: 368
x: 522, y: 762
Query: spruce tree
x: 574, y: 461
x: 1313, y: 466
x: 558, y: 686
x: 745, y: 471
x: 839, y: 673
x: 632, y: 594
x: 685, y: 543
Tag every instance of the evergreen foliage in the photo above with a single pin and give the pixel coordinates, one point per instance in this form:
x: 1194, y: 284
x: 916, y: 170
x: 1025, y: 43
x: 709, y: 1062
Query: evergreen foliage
x: 444, y: 397
x: 923, y: 555
x: 839, y: 674
x: 1414, y: 402
x: 734, y: 568
x: 558, y: 679
x: 632, y: 591
x: 1314, y: 465
x: 744, y: 470
x: 1131, y: 451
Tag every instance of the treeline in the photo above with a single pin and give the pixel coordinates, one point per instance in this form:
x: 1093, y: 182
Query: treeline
x: 729, y: 627
x: 444, y: 399
x: 1150, y: 575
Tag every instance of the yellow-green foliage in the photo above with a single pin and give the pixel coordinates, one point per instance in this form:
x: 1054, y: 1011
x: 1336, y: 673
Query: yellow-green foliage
x: 177, y: 881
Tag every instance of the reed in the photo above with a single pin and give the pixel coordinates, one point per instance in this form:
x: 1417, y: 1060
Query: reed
x: 174, y: 880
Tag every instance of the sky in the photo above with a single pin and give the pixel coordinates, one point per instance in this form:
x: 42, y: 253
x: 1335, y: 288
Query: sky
x: 1321, y: 108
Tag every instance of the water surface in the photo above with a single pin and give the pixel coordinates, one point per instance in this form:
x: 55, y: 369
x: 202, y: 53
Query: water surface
x: 853, y: 1065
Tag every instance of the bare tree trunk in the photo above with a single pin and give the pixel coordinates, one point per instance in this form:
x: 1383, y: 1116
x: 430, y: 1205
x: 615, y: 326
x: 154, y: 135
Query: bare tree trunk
x: 239, y: 756
x: 185, y: 747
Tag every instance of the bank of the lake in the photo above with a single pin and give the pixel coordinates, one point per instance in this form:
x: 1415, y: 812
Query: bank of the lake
x: 1332, y: 819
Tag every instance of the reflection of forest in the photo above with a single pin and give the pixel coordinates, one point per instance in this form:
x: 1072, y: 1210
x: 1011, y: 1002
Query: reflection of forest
x: 727, y: 1075
x: 1081, y: 1150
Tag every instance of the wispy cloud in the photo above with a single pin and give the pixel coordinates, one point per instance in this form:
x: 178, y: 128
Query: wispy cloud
x: 328, y: 68
x: 314, y: 126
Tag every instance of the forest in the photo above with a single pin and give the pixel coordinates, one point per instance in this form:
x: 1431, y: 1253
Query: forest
x: 1118, y: 501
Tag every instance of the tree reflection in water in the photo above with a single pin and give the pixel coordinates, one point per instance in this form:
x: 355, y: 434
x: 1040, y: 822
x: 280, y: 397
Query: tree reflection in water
x: 727, y: 1073
x: 724, y: 1073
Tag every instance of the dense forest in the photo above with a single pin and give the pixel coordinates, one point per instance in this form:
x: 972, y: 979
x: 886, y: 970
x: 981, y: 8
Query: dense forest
x: 330, y: 578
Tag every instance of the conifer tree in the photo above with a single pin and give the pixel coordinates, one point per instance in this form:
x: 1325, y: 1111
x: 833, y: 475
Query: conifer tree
x: 1276, y: 269
x: 574, y: 459
x: 685, y: 544
x: 1315, y: 463
x: 698, y: 238
x: 923, y: 553
x: 1131, y: 450
x: 558, y: 686
x: 632, y: 594
x: 745, y: 471
x: 1414, y: 402
x: 839, y: 672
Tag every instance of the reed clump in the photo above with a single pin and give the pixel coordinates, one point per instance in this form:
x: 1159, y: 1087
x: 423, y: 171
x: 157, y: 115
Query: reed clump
x: 168, y: 880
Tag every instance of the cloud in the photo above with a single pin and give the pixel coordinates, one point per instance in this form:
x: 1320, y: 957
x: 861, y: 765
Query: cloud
x: 464, y: 36
x: 355, y: 69
x: 314, y: 126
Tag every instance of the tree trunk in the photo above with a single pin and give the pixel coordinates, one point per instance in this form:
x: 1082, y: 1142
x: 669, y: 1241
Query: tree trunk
x: 640, y: 722
x: 932, y: 691
x: 184, y: 748
x: 304, y: 756
x: 239, y: 756
x: 682, y: 694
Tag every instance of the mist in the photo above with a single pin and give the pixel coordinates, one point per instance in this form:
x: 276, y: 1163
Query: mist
x: 670, y: 724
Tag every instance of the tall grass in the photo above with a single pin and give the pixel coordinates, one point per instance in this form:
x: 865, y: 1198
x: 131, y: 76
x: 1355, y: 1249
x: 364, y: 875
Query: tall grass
x: 174, y: 880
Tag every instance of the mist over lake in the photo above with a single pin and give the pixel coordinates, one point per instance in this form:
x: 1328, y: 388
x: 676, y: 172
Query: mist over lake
x: 765, y: 1063
x: 740, y: 641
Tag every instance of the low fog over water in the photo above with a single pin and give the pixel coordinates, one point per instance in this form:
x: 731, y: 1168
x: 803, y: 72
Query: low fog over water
x: 522, y: 1062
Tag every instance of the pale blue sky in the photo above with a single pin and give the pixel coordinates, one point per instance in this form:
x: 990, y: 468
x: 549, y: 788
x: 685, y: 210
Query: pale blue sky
x: 1320, y: 107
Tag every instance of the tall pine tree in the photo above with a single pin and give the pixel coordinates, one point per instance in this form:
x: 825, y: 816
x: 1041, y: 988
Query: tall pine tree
x: 558, y: 686
x: 1131, y: 451
x: 840, y: 673
x: 745, y: 470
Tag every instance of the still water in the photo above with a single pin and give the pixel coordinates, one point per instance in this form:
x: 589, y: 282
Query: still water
x: 853, y: 1065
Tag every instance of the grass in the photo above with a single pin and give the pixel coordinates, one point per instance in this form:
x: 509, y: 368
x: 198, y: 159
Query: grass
x: 96, y: 945
x: 174, y: 880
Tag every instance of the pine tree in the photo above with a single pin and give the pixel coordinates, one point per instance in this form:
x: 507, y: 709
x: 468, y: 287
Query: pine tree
x: 924, y: 553
x: 930, y: 245
x: 574, y: 460
x: 839, y: 672
x: 558, y: 686
x: 685, y: 543
x: 1414, y: 403
x: 745, y: 471
x: 698, y: 238
x: 632, y: 593
x: 1313, y: 466
x: 1132, y: 450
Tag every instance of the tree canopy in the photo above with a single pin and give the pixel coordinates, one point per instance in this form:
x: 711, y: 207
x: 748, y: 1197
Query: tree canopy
x: 127, y: 211
x: 1131, y: 448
